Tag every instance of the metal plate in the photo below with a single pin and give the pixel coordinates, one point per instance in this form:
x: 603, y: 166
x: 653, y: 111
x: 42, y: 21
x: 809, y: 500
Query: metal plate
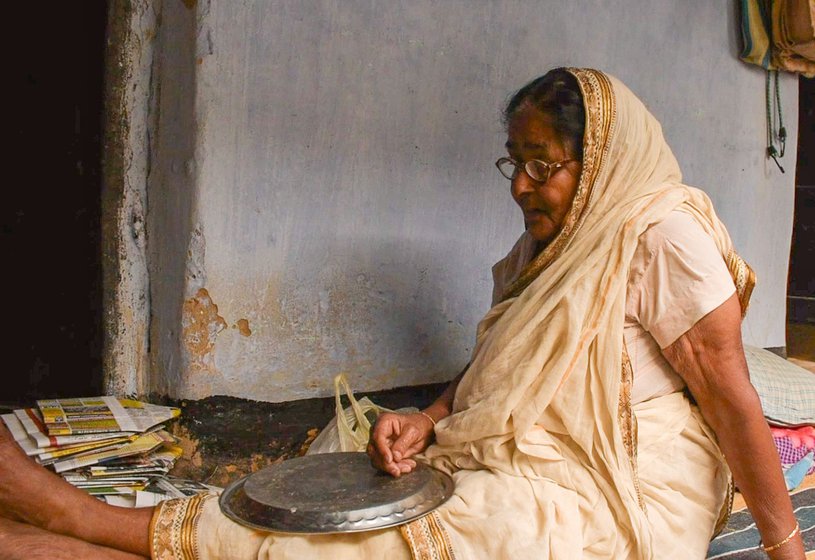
x: 332, y: 493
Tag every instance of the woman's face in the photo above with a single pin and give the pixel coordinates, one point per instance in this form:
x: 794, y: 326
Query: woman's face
x: 544, y: 205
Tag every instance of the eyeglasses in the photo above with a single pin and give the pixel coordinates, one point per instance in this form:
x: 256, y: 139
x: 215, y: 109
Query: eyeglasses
x: 537, y: 169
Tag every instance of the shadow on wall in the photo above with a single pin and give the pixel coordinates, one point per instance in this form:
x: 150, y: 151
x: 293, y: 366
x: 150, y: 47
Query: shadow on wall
x: 173, y: 252
x: 427, y: 326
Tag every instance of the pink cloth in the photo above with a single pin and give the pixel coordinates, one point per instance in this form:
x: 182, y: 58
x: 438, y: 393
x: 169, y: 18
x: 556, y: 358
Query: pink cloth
x: 793, y: 444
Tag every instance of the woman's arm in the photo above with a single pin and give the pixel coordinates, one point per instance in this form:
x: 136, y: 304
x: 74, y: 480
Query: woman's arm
x: 442, y: 407
x: 397, y: 437
x: 710, y: 358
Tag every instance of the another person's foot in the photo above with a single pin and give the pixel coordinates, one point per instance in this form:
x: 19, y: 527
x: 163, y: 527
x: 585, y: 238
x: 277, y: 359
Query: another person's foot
x: 31, y: 494
x: 19, y: 541
x: 36, y: 497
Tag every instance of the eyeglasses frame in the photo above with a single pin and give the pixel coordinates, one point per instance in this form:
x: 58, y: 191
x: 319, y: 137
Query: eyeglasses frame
x: 550, y: 168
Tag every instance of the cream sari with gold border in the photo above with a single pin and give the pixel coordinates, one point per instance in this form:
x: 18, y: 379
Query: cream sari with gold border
x: 549, y: 457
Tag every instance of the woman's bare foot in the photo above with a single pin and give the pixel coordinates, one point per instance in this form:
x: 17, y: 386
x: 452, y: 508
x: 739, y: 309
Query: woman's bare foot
x: 36, y: 496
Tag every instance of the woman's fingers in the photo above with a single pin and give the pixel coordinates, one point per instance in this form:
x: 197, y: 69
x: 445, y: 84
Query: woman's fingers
x: 406, y: 441
x: 418, y: 446
x: 386, y: 429
x: 406, y: 465
x: 378, y: 460
x: 398, y: 468
x: 394, y: 439
x: 416, y: 436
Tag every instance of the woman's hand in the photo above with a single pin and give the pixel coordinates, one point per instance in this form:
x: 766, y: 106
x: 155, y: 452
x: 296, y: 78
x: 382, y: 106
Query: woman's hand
x: 396, y: 438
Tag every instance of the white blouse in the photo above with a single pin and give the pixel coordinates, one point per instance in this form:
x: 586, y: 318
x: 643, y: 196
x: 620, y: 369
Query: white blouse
x: 677, y: 276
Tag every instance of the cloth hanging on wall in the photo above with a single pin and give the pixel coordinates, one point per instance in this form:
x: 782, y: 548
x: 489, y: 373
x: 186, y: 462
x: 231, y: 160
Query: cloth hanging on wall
x: 794, y: 36
x: 778, y: 35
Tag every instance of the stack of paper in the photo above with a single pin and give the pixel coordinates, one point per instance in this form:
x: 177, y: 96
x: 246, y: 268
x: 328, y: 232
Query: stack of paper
x: 109, y: 447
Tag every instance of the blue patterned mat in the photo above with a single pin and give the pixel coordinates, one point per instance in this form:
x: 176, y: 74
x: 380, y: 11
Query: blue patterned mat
x: 739, y: 540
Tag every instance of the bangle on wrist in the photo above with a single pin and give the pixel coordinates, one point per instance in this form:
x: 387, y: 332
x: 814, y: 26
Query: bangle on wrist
x: 426, y: 415
x: 782, y: 543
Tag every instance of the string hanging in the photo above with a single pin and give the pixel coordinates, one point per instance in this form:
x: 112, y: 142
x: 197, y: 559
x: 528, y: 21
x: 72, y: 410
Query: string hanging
x: 773, y: 102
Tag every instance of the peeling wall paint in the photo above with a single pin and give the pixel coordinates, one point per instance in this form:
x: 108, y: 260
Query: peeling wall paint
x: 323, y: 173
x: 201, y: 324
x: 243, y: 327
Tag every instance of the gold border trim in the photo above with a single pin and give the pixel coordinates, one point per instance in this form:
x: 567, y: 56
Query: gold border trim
x: 173, y: 528
x: 428, y: 539
x: 727, y: 508
x: 601, y: 116
x: 628, y: 422
x: 743, y: 276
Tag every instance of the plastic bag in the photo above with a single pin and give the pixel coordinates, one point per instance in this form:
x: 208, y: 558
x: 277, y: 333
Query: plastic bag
x: 350, y: 428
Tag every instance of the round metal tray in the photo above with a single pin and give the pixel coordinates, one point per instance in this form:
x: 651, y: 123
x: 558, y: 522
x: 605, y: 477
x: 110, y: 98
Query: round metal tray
x: 332, y: 493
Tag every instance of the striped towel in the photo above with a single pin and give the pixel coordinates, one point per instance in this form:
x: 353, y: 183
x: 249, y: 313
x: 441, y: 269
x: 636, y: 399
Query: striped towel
x: 755, y: 30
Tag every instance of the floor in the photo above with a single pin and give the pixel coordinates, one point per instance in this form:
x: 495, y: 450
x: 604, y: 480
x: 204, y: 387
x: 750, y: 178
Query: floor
x: 801, y: 344
x: 225, y: 438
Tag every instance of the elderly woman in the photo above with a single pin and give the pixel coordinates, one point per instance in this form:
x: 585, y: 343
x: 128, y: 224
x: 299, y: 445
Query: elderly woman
x: 572, y: 433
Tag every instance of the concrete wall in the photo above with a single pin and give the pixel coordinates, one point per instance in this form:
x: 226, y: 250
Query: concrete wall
x: 128, y: 124
x: 322, y: 191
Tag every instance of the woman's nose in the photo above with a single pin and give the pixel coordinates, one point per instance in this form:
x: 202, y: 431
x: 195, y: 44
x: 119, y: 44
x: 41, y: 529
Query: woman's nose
x: 522, y: 184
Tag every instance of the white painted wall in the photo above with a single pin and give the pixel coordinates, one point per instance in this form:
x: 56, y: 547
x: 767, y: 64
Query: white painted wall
x: 342, y: 194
